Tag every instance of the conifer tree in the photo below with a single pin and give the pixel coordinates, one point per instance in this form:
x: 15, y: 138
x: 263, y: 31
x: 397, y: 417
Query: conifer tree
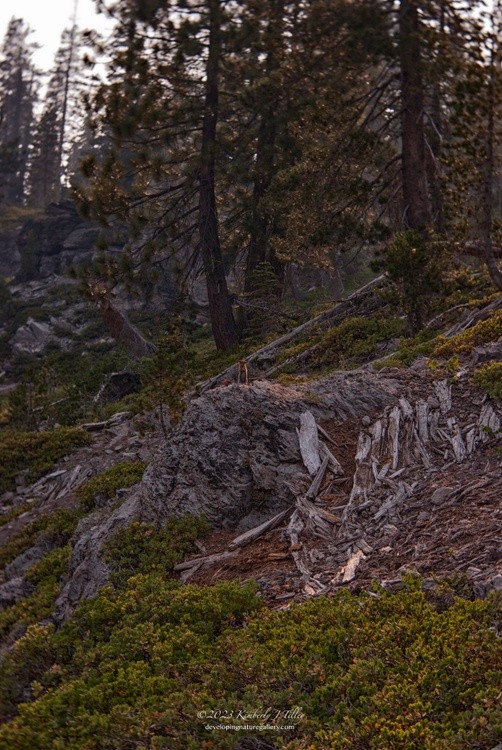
x: 414, y: 171
x: 160, y: 115
x: 51, y: 142
x: 18, y: 91
x: 492, y: 113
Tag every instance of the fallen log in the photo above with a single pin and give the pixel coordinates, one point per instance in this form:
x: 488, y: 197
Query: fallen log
x: 474, y: 318
x: 258, y: 531
x: 316, y: 484
x: 115, y: 420
x: 207, y: 560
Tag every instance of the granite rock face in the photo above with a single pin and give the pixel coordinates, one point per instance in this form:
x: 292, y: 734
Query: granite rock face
x: 51, y: 243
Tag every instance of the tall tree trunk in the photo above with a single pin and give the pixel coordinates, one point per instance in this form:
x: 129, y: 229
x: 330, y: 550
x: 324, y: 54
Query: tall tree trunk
x: 436, y: 134
x: 222, y: 320
x: 416, y: 201
x: 259, y: 246
x: 487, y: 224
x: 66, y: 93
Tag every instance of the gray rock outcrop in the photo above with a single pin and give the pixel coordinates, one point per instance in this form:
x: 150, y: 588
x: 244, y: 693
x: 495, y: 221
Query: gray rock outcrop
x: 231, y: 458
x: 32, y: 338
x: 14, y: 590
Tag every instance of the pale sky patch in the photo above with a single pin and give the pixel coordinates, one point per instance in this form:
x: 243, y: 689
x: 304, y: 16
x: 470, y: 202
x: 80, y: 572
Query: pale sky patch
x: 48, y: 18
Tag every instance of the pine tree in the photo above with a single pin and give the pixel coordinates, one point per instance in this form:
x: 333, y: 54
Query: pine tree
x: 414, y: 171
x: 18, y: 91
x: 160, y: 114
x: 493, y: 111
x: 51, y: 142
x: 327, y: 194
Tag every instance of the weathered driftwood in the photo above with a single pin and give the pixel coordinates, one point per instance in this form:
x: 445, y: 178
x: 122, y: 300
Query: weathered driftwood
x: 187, y: 574
x: 489, y: 422
x: 325, y: 435
x: 295, y: 528
x: 313, y: 518
x: 258, y: 531
x: 338, y: 309
x: 407, y: 437
x: 309, y: 442
x: 443, y: 392
x: 207, y: 560
x: 316, y: 484
x: 116, y: 419
x: 334, y: 464
x: 474, y: 317
x: 349, y: 570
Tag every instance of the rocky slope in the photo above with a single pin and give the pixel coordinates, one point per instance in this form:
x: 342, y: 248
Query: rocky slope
x: 417, y: 460
x: 309, y: 487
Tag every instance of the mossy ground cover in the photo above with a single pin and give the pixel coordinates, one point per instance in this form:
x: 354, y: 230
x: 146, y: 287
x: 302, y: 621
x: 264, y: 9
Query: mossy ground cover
x: 146, y: 665
x: 35, y: 453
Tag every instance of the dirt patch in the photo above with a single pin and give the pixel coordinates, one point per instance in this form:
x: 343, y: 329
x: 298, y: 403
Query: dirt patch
x: 267, y: 558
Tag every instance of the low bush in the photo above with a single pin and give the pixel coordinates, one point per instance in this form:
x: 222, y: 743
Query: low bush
x: 122, y: 475
x: 156, y: 665
x: 489, y: 379
x: 45, y: 577
x: 481, y: 333
x: 142, y: 548
x: 55, y: 528
x: 35, y: 453
x: 355, y: 339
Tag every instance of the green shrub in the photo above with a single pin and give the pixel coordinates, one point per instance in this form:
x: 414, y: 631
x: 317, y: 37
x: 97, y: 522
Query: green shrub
x: 480, y: 333
x: 136, y: 667
x: 123, y: 474
x: 355, y: 339
x: 489, y: 379
x: 45, y: 577
x: 410, y: 348
x: 35, y: 453
x: 56, y: 530
x: 142, y: 548
x: 30, y: 657
x: 51, y: 567
x: 31, y: 654
x: 414, y: 273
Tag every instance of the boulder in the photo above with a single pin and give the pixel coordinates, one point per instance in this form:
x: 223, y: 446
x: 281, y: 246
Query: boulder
x: 25, y: 560
x: 117, y: 385
x: 14, y: 590
x: 32, y: 338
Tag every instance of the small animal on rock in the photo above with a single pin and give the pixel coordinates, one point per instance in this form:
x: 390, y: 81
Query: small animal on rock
x: 243, y: 373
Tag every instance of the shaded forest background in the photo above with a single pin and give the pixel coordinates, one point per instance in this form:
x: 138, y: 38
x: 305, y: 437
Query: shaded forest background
x: 245, y: 140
